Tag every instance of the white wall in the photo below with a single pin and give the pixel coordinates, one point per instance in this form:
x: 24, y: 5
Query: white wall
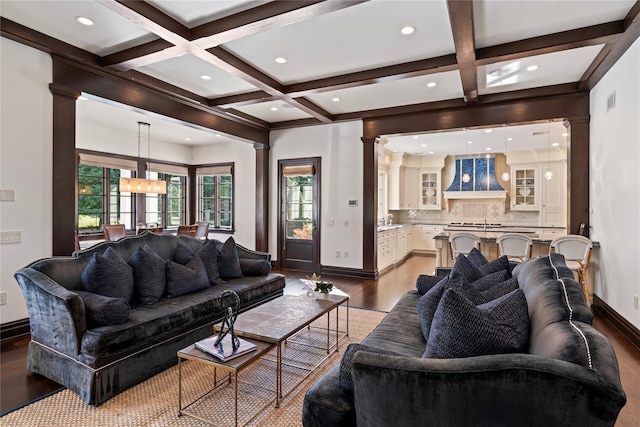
x: 244, y: 157
x: 340, y: 148
x: 615, y: 184
x: 26, y: 110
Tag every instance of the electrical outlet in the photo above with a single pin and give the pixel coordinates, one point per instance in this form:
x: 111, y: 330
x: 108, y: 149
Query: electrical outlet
x: 3, y: 297
x: 346, y: 255
x: 337, y: 254
x: 329, y: 223
x: 10, y: 236
x: 635, y: 302
x: 7, y: 195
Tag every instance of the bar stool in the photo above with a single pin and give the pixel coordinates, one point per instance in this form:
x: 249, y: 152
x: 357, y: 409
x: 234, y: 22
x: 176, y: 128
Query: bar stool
x: 577, y: 252
x: 462, y: 243
x: 516, y: 246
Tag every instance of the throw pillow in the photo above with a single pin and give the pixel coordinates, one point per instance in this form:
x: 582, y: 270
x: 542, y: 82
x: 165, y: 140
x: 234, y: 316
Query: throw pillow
x: 109, y: 275
x: 345, y: 379
x: 497, y: 264
x: 209, y: 255
x: 424, y: 282
x: 465, y: 268
x: 149, y: 276
x: 228, y: 260
x: 460, y: 329
x: 255, y: 267
x: 185, y: 279
x: 490, y: 280
x: 103, y: 310
x: 476, y: 258
x: 183, y: 254
x: 499, y: 289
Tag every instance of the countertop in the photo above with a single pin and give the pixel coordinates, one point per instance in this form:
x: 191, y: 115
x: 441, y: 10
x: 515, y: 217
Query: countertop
x: 491, y: 236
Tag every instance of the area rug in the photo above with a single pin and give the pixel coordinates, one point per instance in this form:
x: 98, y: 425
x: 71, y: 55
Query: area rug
x: 155, y: 401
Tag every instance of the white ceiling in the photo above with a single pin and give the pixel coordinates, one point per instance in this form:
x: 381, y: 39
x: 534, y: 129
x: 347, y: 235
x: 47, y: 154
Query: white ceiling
x: 348, y: 40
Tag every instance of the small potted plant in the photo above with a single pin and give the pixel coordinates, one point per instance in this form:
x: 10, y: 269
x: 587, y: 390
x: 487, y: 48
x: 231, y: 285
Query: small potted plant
x: 324, y: 287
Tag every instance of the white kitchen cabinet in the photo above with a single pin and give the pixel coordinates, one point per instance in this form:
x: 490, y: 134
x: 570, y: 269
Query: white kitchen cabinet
x: 401, y: 244
x: 409, y: 189
x: 524, y: 188
x: 430, y: 189
x: 386, y: 248
x: 552, y: 211
x: 425, y: 235
x: 411, y: 238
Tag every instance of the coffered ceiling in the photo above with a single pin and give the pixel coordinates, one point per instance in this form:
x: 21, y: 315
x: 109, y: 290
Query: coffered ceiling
x: 345, y: 59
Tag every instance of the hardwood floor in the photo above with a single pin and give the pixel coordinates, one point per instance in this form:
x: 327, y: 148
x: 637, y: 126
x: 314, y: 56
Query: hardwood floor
x: 19, y: 386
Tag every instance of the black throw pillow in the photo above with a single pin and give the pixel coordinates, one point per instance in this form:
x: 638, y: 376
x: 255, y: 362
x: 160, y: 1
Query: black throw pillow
x: 465, y: 268
x: 208, y: 253
x: 109, y: 275
x: 476, y: 257
x: 149, y: 275
x: 462, y: 329
x: 255, y: 267
x: 183, y: 254
x: 103, y: 310
x: 345, y: 379
x: 228, y: 260
x: 185, y: 279
x: 497, y: 264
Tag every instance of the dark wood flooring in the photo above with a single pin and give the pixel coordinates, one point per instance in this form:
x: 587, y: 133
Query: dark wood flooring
x: 19, y: 387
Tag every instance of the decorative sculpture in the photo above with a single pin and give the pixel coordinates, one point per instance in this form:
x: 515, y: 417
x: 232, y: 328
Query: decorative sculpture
x: 229, y: 319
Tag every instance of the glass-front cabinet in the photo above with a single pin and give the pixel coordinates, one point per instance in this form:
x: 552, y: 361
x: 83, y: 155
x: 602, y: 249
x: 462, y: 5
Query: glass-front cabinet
x: 524, y: 188
x: 430, y: 189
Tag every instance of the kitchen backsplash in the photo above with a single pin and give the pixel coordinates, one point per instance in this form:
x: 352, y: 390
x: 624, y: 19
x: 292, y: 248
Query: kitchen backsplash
x: 493, y: 211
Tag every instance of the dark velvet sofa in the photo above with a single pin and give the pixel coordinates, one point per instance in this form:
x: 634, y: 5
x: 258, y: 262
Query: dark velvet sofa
x: 568, y: 375
x: 98, y: 362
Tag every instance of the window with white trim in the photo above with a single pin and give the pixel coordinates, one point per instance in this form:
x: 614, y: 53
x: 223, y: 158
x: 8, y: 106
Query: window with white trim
x: 167, y: 210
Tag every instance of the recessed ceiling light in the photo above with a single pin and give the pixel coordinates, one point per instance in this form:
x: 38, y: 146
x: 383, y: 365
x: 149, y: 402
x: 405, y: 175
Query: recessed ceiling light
x: 509, y: 139
x: 280, y: 60
x: 555, y: 144
x: 432, y: 84
x: 532, y: 67
x: 565, y: 134
x: 82, y: 98
x: 488, y: 130
x: 187, y: 139
x: 205, y: 77
x: 84, y: 20
x: 274, y: 109
x: 488, y: 149
x: 430, y: 152
x: 469, y: 142
x: 218, y: 135
x: 424, y: 145
x: 336, y: 99
x: 408, y: 30
x: 415, y: 137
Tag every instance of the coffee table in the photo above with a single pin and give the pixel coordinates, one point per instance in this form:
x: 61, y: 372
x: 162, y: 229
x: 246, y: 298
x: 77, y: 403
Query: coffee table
x: 232, y: 367
x: 278, y: 320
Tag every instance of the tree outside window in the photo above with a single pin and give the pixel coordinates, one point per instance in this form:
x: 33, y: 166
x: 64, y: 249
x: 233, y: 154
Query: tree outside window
x: 215, y: 199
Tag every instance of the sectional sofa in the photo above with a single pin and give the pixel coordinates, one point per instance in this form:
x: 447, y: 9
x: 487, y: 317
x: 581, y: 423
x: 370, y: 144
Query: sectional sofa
x: 100, y: 349
x: 566, y: 373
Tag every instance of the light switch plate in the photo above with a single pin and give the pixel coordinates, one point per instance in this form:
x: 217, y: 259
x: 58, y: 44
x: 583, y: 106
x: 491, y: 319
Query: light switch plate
x: 7, y: 195
x: 10, y: 236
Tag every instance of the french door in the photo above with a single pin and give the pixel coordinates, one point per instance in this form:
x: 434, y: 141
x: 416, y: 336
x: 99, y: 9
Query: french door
x: 299, y: 210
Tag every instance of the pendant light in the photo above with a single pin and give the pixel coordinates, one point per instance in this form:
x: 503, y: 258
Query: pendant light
x: 548, y: 175
x: 505, y: 175
x: 466, y: 177
x: 142, y: 185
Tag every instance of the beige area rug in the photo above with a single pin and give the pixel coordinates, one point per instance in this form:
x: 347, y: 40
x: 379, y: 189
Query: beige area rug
x: 155, y: 401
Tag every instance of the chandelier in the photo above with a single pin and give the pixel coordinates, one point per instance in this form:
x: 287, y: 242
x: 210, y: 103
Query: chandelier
x: 142, y: 185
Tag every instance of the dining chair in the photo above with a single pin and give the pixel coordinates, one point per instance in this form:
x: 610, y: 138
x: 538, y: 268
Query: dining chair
x: 203, y: 230
x: 462, y: 243
x: 114, y: 231
x: 187, y: 230
x: 158, y: 230
x: 577, y: 253
x: 517, y: 247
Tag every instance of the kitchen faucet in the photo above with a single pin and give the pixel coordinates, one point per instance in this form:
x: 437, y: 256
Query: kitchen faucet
x: 485, y: 224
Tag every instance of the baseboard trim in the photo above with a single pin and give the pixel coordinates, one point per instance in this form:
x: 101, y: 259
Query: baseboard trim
x: 625, y: 327
x: 349, y: 272
x: 15, y: 329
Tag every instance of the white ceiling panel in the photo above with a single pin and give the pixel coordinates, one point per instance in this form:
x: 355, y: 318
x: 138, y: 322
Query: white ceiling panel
x: 265, y: 111
x: 505, y: 21
x: 534, y: 136
x: 192, y: 13
x: 553, y: 68
x: 110, y: 32
x: 353, y: 39
x: 185, y: 71
x: 392, y: 93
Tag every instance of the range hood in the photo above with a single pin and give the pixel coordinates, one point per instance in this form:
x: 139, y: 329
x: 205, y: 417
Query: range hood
x: 481, y: 183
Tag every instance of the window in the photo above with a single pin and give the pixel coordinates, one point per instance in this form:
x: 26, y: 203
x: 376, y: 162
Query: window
x: 167, y: 210
x: 99, y: 198
x: 215, y: 196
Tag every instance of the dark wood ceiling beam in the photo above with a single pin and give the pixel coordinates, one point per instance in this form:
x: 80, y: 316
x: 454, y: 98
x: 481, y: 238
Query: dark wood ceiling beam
x: 581, y: 37
x: 632, y: 16
x: 242, y: 99
x: 138, y: 56
x: 266, y: 17
x: 462, y: 23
